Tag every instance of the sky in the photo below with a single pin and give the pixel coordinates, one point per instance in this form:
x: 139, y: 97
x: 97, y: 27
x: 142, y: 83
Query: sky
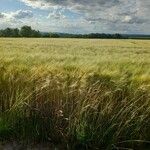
x: 77, y: 16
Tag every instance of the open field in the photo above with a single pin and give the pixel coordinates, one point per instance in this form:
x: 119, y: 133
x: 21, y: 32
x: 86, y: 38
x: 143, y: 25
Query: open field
x: 78, y: 93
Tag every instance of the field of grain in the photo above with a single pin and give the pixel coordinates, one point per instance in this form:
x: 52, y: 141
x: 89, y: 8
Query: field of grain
x: 78, y: 93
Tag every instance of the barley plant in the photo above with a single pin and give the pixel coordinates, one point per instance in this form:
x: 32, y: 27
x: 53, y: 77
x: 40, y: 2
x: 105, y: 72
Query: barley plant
x: 81, y: 94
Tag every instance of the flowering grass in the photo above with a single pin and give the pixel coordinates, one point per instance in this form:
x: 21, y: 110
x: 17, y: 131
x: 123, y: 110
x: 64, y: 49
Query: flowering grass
x: 79, y: 93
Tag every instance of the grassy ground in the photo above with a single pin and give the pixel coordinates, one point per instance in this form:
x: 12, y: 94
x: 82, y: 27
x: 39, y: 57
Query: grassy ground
x: 82, y: 94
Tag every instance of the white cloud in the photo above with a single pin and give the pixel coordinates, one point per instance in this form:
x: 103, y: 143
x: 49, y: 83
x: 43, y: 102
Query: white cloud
x: 100, y: 10
x: 127, y: 19
x: 36, y: 4
x: 57, y: 15
x: 94, y: 15
x: 15, y: 19
x: 17, y: 15
x: 21, y: 14
x: 1, y: 15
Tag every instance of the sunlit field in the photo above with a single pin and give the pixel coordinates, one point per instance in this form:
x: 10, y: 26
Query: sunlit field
x: 77, y: 93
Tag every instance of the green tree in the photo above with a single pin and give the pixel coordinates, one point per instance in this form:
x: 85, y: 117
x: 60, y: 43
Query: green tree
x: 26, y: 31
x: 36, y: 33
x: 7, y: 32
x: 1, y: 33
x: 15, y: 32
x: 54, y: 35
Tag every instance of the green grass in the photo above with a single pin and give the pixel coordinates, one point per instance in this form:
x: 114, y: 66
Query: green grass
x: 83, y: 94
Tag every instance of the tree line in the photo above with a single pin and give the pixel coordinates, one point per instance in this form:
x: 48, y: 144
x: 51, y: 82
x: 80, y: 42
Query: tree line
x: 27, y: 31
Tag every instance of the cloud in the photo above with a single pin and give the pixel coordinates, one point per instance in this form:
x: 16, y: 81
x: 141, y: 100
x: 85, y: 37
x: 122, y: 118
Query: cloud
x: 21, y: 14
x: 1, y: 15
x: 17, y: 15
x: 88, y: 15
x: 16, y: 18
x: 125, y: 19
x: 134, y: 20
x: 56, y: 15
x: 81, y: 5
x: 97, y: 9
x: 100, y: 15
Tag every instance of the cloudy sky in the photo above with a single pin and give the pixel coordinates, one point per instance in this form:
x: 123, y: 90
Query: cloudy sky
x: 77, y: 16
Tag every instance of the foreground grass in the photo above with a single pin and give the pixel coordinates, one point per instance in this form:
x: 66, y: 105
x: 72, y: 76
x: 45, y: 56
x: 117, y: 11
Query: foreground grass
x: 83, y: 94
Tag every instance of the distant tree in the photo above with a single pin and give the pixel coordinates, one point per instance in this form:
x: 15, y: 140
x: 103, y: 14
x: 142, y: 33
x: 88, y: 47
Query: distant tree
x: 1, y: 33
x: 15, y: 32
x: 54, y: 35
x: 26, y: 31
x: 36, y: 33
x: 46, y: 35
x: 7, y: 32
x: 118, y: 36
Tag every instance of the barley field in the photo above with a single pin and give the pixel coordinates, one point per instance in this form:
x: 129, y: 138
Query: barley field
x: 77, y: 93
